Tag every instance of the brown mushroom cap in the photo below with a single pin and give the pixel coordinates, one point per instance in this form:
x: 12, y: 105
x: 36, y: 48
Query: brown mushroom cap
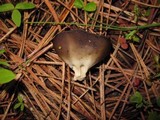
x: 81, y: 50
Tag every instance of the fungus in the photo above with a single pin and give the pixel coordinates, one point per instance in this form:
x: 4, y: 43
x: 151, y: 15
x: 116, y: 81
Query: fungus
x: 81, y: 50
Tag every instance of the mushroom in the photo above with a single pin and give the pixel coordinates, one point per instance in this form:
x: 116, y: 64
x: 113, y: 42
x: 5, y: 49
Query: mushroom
x: 81, y: 50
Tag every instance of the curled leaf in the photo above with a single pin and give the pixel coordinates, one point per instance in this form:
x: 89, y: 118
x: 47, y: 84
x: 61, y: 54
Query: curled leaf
x: 123, y: 42
x: 136, y: 82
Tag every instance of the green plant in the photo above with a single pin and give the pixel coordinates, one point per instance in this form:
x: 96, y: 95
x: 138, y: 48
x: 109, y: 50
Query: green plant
x: 5, y: 74
x: 153, y: 115
x: 156, y: 76
x: 132, y: 36
x: 137, y: 99
x: 89, y: 7
x: 20, y: 103
x: 136, y: 12
x: 157, y: 61
x: 147, y: 12
x: 16, y: 15
x: 158, y: 101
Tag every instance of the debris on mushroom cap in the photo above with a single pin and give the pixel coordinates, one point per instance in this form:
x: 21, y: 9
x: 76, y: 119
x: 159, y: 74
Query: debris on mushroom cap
x: 81, y: 50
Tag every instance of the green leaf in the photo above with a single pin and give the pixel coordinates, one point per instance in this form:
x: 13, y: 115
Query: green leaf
x: 16, y: 17
x: 17, y: 105
x: 135, y: 38
x: 78, y: 4
x: 130, y: 35
x: 6, y: 75
x: 25, y: 6
x: 2, y: 51
x: 156, y: 59
x: 6, y: 7
x: 136, y: 98
x: 153, y: 116
x: 22, y: 107
x: 90, y: 7
x: 136, y: 10
x: 139, y: 105
x: 158, y: 101
x: 4, y: 63
x: 20, y: 99
x: 148, y: 12
x: 157, y: 75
